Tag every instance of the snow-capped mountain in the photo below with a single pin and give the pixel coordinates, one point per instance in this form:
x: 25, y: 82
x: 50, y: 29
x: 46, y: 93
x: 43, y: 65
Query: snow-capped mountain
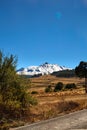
x: 45, y: 68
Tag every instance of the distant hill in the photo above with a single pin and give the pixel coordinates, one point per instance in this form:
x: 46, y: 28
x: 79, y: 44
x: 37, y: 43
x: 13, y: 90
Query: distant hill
x: 64, y: 73
x: 43, y: 69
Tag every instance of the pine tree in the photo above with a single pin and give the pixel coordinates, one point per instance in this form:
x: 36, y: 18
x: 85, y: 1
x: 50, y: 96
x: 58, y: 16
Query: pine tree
x: 81, y: 71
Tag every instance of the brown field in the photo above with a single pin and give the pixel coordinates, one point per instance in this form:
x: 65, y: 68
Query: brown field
x: 55, y: 103
x: 40, y: 83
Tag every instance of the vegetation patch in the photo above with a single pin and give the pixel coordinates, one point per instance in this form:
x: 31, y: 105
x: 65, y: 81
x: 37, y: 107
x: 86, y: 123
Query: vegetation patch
x: 48, y: 89
x: 59, y: 86
x: 70, y: 86
x: 34, y: 92
x: 14, y: 98
x: 67, y: 106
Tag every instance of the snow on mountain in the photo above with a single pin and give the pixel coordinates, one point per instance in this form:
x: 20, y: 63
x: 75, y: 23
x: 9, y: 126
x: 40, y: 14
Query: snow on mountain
x: 45, y: 68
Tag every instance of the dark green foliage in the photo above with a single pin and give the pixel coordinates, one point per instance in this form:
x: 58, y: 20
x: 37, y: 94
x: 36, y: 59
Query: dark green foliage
x: 33, y: 76
x: 65, y: 73
x: 70, y: 86
x: 58, y: 87
x: 48, y: 89
x: 34, y: 92
x: 81, y: 71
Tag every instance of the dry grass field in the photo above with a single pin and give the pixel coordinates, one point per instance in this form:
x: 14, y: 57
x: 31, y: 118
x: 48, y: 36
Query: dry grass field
x: 40, y: 83
x: 55, y: 103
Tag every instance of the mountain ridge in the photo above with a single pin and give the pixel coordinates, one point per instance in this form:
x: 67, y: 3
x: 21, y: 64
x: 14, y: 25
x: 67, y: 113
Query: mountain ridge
x: 42, y: 69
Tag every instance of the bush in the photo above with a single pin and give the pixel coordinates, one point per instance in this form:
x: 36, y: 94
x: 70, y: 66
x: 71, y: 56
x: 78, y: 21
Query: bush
x: 34, y: 92
x: 70, y: 86
x: 58, y: 87
x: 14, y: 98
x: 48, y: 89
x: 32, y: 101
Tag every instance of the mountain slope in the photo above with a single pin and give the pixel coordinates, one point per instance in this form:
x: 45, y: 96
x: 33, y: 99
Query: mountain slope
x: 41, y: 69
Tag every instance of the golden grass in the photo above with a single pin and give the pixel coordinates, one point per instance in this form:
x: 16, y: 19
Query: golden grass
x: 40, y: 83
x: 55, y: 103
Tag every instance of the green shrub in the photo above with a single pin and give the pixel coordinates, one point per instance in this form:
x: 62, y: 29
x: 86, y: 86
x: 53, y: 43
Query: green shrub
x: 70, y: 86
x: 32, y: 100
x: 34, y: 92
x: 14, y: 98
x: 58, y: 87
x: 48, y: 89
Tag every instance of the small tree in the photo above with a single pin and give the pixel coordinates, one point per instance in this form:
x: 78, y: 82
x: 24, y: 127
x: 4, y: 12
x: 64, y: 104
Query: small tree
x: 48, y: 89
x: 81, y: 71
x: 8, y: 77
x: 58, y: 87
x: 13, y: 96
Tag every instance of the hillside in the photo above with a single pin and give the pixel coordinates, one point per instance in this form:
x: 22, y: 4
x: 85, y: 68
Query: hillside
x: 65, y: 73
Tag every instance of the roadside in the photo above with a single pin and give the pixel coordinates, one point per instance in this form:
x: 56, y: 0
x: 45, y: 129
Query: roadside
x: 76, y: 120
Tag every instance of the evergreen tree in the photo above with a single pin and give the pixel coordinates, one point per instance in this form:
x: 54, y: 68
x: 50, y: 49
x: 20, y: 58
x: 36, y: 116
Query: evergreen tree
x: 81, y: 71
x: 14, y: 99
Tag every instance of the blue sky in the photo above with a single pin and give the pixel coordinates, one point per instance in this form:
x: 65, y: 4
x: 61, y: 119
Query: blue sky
x: 38, y: 31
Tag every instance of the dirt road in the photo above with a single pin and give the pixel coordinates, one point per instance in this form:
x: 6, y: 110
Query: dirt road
x: 76, y: 120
